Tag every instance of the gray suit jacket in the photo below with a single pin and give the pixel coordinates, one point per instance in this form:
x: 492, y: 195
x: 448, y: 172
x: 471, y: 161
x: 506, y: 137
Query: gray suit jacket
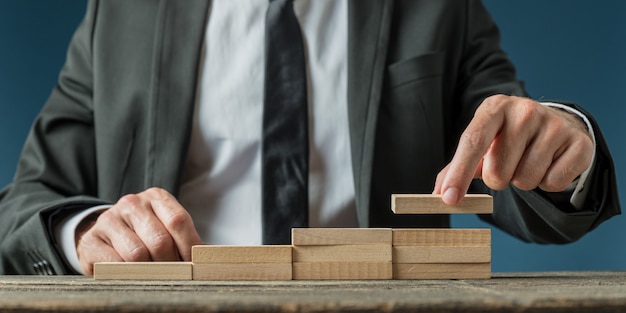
x: 119, y: 119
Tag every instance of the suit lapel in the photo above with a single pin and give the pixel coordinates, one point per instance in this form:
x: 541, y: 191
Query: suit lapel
x: 368, y: 28
x: 178, y: 48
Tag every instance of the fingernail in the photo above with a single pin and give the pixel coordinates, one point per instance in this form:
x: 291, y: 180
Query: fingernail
x: 451, y: 195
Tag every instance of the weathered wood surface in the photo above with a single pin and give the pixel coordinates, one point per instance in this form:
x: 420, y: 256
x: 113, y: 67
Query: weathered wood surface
x: 508, y: 292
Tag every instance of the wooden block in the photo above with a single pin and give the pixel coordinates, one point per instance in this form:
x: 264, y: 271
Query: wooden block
x: 432, y: 204
x: 342, y: 253
x: 417, y: 254
x: 143, y: 270
x: 442, y: 271
x: 206, y: 254
x: 342, y: 270
x: 340, y: 236
x: 480, y: 237
x: 243, y: 271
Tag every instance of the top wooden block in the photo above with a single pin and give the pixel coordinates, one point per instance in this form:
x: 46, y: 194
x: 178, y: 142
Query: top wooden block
x: 432, y: 204
x: 340, y: 236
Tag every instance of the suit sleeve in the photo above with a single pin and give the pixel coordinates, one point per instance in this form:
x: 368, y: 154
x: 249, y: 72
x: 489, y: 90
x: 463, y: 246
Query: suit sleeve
x: 532, y: 216
x: 57, y: 168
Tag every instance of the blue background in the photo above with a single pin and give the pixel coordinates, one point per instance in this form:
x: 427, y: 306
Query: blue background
x: 563, y: 49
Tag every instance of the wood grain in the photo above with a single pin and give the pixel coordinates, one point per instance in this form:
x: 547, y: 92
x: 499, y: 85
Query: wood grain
x: 442, y: 271
x: 243, y: 271
x: 480, y: 237
x: 343, y: 253
x: 340, y: 236
x: 342, y: 270
x: 143, y: 270
x: 417, y: 254
x: 432, y: 204
x: 205, y: 254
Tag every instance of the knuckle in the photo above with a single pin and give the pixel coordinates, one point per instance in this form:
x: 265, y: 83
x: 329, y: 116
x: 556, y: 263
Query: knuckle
x: 558, y: 124
x: 177, y: 221
x: 494, y: 174
x: 495, y: 181
x: 90, y: 236
x: 498, y: 184
x: 581, y: 162
x: 130, y: 200
x: 500, y: 102
x: 523, y: 183
x: 491, y: 105
x: 529, y: 174
x: 106, y: 218
x: 162, y: 242
x: 551, y: 186
x: 555, y: 183
x: 584, y: 144
x: 157, y: 193
x: 527, y: 110
x: 496, y: 99
x: 138, y: 253
x: 553, y: 134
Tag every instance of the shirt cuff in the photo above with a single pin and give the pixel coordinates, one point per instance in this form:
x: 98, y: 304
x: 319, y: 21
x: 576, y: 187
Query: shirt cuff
x: 65, y: 233
x: 580, y: 192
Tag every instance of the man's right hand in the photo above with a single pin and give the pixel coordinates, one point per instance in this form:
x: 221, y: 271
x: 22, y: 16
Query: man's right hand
x: 148, y: 226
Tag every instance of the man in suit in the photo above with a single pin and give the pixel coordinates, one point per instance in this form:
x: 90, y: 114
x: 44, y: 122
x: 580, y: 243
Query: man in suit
x: 152, y: 118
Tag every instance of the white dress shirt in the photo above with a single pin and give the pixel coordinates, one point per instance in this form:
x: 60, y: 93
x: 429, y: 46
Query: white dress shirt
x: 221, y: 185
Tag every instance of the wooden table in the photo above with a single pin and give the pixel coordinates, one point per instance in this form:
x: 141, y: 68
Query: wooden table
x: 507, y: 292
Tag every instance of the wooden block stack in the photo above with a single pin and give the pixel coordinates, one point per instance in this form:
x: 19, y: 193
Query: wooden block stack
x: 340, y: 253
x: 441, y: 253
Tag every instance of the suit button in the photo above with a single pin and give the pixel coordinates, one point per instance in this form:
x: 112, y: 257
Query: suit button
x: 41, y: 266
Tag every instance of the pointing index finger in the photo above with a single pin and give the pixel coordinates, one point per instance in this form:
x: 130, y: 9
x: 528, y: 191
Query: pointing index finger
x: 473, y: 144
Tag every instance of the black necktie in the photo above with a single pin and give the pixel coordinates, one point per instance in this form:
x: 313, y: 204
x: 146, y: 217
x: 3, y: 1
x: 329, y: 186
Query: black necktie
x: 285, y: 156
